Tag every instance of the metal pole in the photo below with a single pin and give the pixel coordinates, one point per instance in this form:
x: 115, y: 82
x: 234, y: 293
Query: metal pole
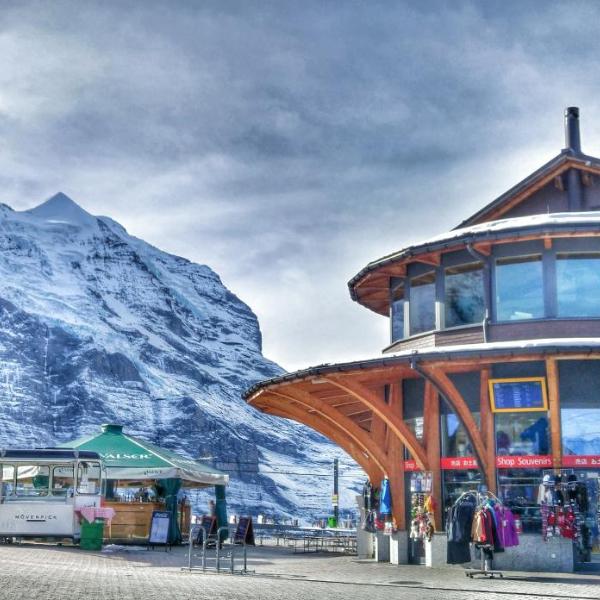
x: 218, y: 543
x: 204, y: 544
x: 336, y: 508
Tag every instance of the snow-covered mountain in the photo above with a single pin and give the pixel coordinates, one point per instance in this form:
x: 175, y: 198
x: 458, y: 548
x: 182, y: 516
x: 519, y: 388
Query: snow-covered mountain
x: 98, y: 326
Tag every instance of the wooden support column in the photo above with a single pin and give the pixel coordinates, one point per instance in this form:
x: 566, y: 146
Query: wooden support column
x: 448, y: 389
x: 396, y: 460
x: 431, y: 426
x: 487, y: 428
x: 554, y: 409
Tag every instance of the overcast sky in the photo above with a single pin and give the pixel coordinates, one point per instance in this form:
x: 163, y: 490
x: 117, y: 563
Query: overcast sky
x: 287, y: 144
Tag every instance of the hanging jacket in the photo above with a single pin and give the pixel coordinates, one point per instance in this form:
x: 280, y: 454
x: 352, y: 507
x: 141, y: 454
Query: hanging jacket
x: 385, y: 498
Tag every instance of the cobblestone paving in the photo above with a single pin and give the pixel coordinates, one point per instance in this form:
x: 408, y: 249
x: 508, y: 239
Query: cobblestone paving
x: 48, y: 572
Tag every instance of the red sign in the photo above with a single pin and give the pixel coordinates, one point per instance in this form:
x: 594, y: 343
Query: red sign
x: 590, y: 460
x: 540, y: 461
x: 459, y: 462
x: 411, y: 465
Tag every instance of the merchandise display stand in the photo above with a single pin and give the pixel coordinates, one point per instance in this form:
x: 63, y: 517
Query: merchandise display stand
x: 487, y: 558
x: 486, y: 550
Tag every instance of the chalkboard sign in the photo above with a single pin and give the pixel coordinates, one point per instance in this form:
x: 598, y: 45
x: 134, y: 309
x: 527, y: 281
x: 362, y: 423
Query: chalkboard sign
x: 159, y: 527
x: 525, y: 394
x: 244, y: 532
x: 209, y: 524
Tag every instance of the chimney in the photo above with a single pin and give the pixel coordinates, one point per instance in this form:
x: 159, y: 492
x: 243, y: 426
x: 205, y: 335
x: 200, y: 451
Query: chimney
x: 572, y: 137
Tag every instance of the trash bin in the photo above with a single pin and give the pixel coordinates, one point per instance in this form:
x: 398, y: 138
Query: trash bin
x: 331, y: 522
x: 91, y: 535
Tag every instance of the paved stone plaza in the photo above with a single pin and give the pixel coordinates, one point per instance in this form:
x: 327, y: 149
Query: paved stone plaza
x: 50, y: 572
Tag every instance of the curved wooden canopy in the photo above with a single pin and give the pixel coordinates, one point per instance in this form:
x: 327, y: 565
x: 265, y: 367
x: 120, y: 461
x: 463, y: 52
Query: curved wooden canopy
x: 359, y: 406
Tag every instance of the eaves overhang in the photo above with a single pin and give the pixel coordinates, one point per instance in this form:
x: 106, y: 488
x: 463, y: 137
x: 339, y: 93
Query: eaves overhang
x: 534, y: 226
x: 562, y: 347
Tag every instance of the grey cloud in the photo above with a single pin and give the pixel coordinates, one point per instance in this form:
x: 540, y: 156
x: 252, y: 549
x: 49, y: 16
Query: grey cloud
x: 286, y: 144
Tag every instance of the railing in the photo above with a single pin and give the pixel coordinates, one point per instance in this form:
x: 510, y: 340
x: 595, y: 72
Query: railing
x: 223, y: 550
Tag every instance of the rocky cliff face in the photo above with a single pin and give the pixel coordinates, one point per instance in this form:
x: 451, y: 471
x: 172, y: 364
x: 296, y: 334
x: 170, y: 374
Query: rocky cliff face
x: 97, y: 326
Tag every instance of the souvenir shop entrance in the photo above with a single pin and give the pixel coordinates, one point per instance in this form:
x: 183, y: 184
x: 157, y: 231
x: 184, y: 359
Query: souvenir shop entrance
x: 590, y: 555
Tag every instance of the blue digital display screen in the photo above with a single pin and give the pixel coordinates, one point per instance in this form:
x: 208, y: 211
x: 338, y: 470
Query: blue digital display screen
x: 519, y: 395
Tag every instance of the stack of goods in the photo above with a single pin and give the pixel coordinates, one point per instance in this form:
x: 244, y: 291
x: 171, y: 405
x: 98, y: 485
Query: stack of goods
x: 494, y: 526
x: 370, y: 495
x: 459, y: 524
x: 422, y: 520
x: 480, y: 519
x: 564, y: 504
x: 378, y: 508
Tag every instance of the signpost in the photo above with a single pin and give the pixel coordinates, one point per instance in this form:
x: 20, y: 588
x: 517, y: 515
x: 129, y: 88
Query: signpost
x: 523, y: 394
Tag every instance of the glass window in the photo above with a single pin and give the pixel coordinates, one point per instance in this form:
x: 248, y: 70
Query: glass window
x: 422, y: 303
x: 88, y: 478
x: 518, y: 490
x: 63, y: 481
x: 397, y: 313
x: 32, y: 480
x: 465, y: 302
x: 522, y: 434
x: 455, y: 441
x: 578, y: 285
x: 7, y: 474
x: 455, y: 482
x: 580, y: 430
x: 519, y: 288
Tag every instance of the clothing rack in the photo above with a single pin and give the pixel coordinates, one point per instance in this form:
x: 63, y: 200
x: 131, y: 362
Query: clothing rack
x: 486, y: 551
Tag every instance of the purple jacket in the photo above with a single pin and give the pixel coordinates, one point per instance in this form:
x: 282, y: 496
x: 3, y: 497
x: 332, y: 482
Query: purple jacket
x: 507, y: 531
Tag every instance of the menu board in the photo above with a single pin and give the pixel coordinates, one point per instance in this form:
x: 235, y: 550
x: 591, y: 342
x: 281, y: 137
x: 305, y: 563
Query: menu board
x: 524, y: 394
x: 244, y: 532
x: 159, y: 527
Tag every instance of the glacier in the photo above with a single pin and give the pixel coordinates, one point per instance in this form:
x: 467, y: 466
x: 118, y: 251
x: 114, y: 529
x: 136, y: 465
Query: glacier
x: 98, y: 326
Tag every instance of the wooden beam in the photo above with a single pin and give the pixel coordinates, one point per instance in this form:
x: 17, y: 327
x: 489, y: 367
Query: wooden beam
x: 353, y: 431
x: 558, y: 183
x: 334, y: 434
x: 554, y: 409
x: 349, y: 403
x: 396, y: 460
x: 487, y: 426
x: 483, y: 248
x: 381, y: 409
x: 378, y: 425
x: 432, y: 258
x: 587, y: 179
x: 431, y: 425
x: 448, y: 389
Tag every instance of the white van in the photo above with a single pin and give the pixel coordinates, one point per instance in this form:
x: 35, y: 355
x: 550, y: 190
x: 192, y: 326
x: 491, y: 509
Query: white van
x: 41, y: 490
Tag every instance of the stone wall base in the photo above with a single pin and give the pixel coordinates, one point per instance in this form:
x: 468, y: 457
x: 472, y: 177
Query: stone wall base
x: 532, y: 554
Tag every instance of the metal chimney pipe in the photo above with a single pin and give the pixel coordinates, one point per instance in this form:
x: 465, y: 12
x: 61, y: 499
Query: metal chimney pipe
x: 572, y: 136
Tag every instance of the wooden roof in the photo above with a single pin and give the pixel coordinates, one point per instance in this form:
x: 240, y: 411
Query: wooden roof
x: 555, y: 167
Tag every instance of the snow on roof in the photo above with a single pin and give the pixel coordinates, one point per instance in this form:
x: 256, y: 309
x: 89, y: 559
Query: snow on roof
x: 503, y: 225
x: 591, y: 344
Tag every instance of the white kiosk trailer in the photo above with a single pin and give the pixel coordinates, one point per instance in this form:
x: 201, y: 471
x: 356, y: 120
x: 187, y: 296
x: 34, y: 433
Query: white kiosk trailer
x: 41, y: 490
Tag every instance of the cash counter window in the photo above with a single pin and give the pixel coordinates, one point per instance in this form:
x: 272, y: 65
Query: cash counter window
x: 32, y: 481
x: 88, y: 478
x: 63, y: 481
x: 519, y: 288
